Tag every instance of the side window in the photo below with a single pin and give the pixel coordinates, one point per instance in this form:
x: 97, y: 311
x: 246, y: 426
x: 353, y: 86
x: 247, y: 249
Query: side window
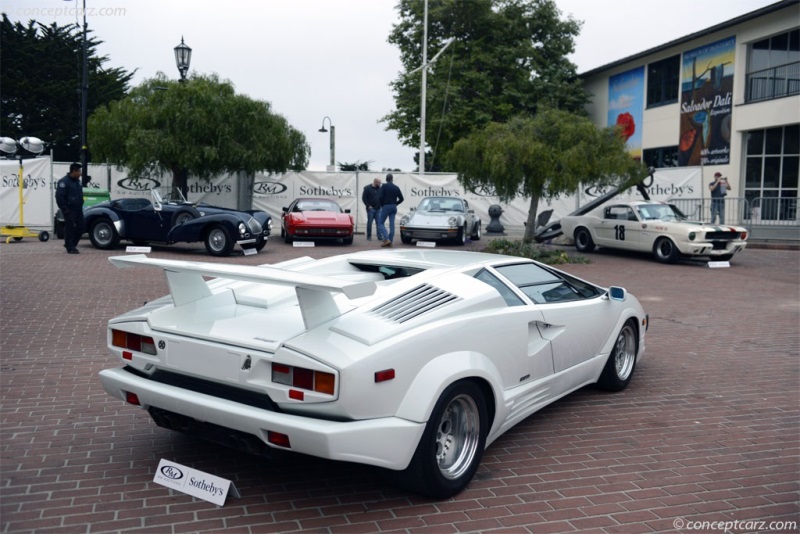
x: 505, y: 292
x: 544, y: 286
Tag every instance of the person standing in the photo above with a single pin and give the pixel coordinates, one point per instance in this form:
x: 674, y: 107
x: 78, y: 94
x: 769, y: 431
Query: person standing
x: 390, y: 197
x: 370, y: 199
x: 719, y: 189
x: 69, y: 197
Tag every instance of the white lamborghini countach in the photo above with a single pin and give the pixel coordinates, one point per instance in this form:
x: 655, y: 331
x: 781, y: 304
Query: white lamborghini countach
x: 410, y: 360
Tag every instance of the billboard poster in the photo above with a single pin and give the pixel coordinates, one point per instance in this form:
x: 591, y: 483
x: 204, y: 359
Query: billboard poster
x: 626, y: 107
x: 706, y: 104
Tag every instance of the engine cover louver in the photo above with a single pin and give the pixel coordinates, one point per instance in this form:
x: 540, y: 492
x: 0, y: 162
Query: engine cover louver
x: 414, y: 303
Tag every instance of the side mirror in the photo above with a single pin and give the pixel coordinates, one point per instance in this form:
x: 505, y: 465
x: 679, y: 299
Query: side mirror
x: 347, y: 211
x: 617, y: 293
x: 285, y: 209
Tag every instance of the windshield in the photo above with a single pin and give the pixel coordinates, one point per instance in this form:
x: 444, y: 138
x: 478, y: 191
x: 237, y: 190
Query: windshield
x: 169, y: 195
x: 317, y: 205
x: 660, y: 212
x: 440, y: 204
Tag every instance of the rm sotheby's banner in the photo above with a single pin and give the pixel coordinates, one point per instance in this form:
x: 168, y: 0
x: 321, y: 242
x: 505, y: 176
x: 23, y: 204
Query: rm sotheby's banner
x: 37, y: 192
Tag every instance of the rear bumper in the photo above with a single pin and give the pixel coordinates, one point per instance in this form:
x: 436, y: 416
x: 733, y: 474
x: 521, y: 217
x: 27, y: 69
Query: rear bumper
x: 387, y: 442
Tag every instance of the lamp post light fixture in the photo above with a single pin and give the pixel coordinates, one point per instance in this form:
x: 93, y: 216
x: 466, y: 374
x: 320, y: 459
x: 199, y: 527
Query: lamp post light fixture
x: 183, y: 57
x: 332, y: 166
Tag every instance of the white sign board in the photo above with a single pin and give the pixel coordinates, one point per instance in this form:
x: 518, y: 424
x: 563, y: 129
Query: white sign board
x: 37, y: 192
x: 193, y: 482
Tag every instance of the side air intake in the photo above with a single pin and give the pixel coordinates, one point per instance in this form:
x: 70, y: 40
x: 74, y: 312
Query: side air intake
x: 414, y: 303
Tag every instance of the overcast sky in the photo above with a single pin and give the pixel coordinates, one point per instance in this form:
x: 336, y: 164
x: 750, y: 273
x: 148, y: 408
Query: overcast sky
x: 316, y: 58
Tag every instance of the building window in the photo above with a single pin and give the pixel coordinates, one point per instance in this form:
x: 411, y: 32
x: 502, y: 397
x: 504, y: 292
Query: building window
x: 773, y: 67
x: 772, y: 168
x: 663, y: 82
x: 665, y: 156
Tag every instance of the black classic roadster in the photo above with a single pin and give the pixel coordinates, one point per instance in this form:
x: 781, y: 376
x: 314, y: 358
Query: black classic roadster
x: 169, y: 218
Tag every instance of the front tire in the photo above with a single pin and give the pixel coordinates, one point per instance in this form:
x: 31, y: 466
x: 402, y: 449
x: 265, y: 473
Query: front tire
x: 665, y: 250
x: 451, y: 447
x: 620, y: 365
x: 218, y: 241
x: 583, y: 240
x: 103, y: 235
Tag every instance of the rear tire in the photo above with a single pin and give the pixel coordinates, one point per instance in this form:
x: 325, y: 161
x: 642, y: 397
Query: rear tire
x: 476, y: 236
x: 621, y: 363
x: 347, y: 240
x: 218, y: 241
x: 583, y: 240
x: 451, y: 447
x: 103, y: 235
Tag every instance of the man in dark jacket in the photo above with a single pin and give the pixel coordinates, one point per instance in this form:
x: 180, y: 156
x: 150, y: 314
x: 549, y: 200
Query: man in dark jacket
x: 390, y: 197
x: 370, y: 199
x: 69, y: 197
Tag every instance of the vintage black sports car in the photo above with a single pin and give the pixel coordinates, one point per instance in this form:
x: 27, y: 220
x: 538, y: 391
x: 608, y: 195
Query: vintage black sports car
x: 170, y: 218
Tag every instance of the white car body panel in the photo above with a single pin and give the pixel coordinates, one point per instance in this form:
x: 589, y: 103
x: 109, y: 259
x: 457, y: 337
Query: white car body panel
x: 640, y: 233
x: 351, y: 317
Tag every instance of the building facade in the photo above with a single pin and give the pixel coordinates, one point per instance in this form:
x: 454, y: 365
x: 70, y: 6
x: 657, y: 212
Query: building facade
x: 727, y: 100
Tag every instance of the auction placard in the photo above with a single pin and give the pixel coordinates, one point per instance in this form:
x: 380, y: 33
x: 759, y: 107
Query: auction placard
x: 193, y: 482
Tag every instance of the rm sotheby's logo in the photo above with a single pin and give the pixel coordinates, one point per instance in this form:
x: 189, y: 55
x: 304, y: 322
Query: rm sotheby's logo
x: 138, y: 184
x: 268, y: 188
x: 170, y: 471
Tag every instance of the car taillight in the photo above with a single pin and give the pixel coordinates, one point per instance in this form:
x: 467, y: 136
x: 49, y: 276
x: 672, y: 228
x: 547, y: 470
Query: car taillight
x: 744, y: 236
x: 136, y: 342
x: 301, y: 378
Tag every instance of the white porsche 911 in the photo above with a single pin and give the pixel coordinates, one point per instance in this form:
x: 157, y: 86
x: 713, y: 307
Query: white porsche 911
x: 654, y: 227
x: 441, y: 219
x: 410, y: 360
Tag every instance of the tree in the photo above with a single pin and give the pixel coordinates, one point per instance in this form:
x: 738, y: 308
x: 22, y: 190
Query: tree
x: 355, y: 166
x: 41, y: 73
x: 542, y: 158
x: 200, y: 126
x: 508, y: 58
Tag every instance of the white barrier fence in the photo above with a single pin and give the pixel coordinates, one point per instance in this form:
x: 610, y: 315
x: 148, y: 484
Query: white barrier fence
x: 272, y: 192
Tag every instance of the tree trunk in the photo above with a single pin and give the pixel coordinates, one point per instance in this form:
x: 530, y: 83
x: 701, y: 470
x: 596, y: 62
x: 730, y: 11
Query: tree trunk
x: 530, y: 225
x: 180, y: 181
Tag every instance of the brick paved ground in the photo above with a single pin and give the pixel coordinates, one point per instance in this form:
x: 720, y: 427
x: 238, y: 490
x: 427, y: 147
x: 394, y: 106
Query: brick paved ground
x: 707, y: 431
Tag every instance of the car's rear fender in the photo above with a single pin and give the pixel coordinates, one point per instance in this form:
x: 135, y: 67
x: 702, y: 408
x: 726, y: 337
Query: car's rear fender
x: 440, y: 372
x: 195, y: 229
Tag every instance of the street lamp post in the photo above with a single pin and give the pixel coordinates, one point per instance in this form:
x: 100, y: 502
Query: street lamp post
x: 183, y: 57
x: 332, y: 166
x: 84, y: 102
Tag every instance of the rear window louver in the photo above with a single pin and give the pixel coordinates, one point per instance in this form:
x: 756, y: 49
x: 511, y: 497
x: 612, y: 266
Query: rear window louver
x: 414, y: 303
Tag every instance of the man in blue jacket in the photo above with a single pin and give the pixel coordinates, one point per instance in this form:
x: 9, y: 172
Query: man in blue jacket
x: 390, y: 197
x: 69, y: 197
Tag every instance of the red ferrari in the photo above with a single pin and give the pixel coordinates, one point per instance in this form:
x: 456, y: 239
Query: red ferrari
x: 316, y: 218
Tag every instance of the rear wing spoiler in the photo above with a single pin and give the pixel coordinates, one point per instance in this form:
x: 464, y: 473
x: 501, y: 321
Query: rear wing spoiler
x: 314, y: 292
